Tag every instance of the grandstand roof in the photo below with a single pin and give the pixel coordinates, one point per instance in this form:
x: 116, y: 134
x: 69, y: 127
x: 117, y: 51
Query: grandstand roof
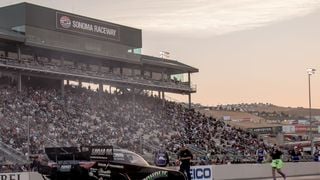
x: 11, y: 35
x: 42, y: 28
x: 175, y: 66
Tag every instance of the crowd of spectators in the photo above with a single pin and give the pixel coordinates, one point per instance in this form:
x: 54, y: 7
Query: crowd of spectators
x: 221, y: 142
x: 84, y: 116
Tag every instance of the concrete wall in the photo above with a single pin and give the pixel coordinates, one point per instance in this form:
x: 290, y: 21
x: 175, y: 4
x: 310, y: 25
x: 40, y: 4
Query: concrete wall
x: 220, y: 172
x: 254, y: 171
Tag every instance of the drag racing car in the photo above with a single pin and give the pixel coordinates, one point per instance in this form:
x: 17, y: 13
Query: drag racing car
x: 101, y: 163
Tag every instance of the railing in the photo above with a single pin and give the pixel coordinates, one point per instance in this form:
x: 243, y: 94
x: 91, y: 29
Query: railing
x: 196, y: 150
x: 13, y: 154
x: 54, y: 69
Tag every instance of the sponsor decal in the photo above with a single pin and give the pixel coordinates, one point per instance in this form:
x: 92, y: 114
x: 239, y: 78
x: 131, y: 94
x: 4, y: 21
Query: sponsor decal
x: 156, y: 175
x: 201, y: 172
x: 99, y: 153
x: 65, y: 22
x: 87, y: 26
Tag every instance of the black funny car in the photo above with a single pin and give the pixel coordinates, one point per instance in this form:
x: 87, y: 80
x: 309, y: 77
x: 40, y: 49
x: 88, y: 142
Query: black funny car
x: 101, y: 163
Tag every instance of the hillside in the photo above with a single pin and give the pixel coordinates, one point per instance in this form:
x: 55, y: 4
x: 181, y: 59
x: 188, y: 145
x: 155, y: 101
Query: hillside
x: 257, y: 108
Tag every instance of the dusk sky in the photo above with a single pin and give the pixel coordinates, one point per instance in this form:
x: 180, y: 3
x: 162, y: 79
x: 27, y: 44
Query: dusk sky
x: 246, y: 50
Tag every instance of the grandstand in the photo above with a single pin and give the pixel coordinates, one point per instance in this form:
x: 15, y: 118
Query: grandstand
x: 50, y: 46
x: 42, y: 50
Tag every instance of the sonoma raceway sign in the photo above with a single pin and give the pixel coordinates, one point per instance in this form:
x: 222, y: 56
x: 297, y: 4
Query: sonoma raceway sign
x: 82, y: 25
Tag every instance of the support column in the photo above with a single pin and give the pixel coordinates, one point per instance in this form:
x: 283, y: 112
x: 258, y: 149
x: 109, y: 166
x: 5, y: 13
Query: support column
x: 189, y: 100
x: 80, y: 84
x: 62, y: 87
x: 159, y: 94
x: 19, y: 53
x: 19, y: 82
x: 189, y: 78
x: 61, y: 61
x: 68, y: 83
x: 163, y: 99
x: 100, y: 88
x: 35, y: 57
x: 109, y: 89
x: 99, y: 68
x: 189, y: 82
x: 134, y: 100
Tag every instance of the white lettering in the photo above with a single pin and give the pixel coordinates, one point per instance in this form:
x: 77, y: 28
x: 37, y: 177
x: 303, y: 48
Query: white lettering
x: 82, y: 25
x: 104, y: 30
x: 10, y: 176
x: 98, y: 152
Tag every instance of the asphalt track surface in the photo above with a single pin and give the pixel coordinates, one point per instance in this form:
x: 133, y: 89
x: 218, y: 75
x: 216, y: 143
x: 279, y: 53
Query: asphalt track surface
x: 295, y: 178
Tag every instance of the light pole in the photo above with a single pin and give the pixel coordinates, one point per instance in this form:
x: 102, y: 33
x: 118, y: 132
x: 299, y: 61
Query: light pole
x: 310, y: 71
x: 28, y: 158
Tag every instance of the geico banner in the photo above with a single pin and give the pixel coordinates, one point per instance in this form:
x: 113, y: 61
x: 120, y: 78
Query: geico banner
x: 201, y: 172
x: 14, y: 176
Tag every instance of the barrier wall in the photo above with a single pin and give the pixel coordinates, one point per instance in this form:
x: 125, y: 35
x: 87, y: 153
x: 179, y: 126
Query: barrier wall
x: 256, y: 171
x: 21, y: 176
x: 218, y: 172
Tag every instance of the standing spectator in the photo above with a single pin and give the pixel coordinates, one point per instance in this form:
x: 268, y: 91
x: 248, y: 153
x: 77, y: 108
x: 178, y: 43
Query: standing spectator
x: 295, y: 154
x: 316, y: 154
x: 184, y: 157
x: 261, y: 154
x: 161, y: 158
x: 276, y: 163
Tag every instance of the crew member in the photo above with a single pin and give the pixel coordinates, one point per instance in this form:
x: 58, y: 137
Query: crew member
x: 161, y: 158
x: 185, y: 156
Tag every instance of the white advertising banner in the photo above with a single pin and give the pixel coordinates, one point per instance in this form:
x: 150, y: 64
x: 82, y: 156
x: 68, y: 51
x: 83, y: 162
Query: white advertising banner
x: 14, y: 176
x: 226, y: 118
x: 201, y: 172
x: 288, y: 129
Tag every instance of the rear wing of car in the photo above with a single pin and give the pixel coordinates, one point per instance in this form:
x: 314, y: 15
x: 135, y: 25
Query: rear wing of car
x: 83, y: 153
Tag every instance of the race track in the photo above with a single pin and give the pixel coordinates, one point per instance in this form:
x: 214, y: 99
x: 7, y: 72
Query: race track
x: 296, y: 178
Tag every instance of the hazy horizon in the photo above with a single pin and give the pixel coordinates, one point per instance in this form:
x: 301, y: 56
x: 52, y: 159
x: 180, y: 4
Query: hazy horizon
x: 246, y: 51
